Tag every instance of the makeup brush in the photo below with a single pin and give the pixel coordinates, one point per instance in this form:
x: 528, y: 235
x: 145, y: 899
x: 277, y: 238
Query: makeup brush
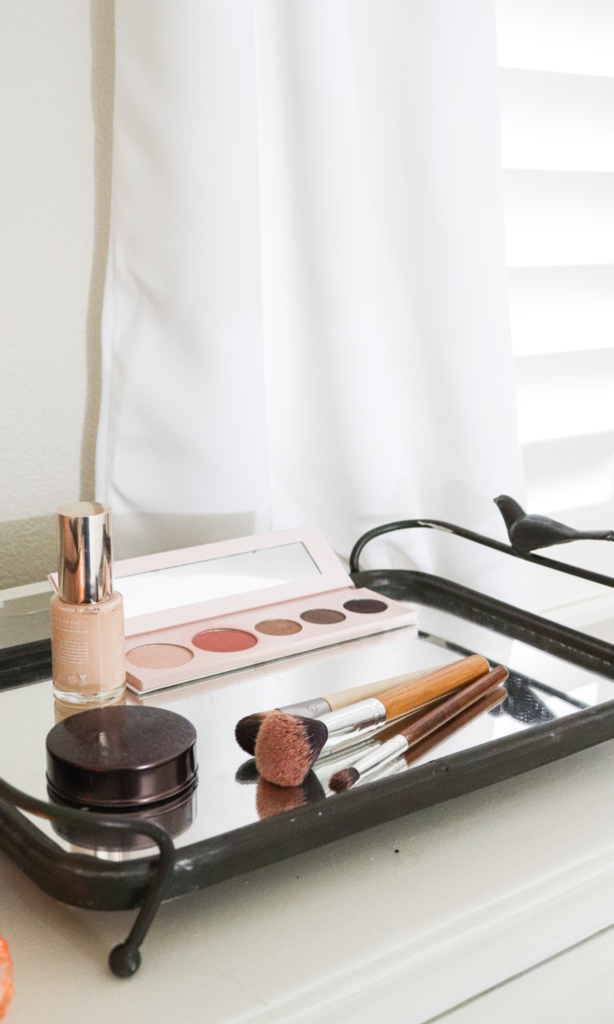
x: 417, y: 731
x: 333, y: 759
x: 419, y: 750
x: 246, y: 731
x: 288, y: 745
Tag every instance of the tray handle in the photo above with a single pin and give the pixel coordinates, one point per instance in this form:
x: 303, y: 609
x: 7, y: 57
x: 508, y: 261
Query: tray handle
x: 125, y: 958
x: 477, y: 538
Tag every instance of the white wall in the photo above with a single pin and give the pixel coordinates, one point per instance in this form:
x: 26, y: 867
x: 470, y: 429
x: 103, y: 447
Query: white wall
x: 56, y: 100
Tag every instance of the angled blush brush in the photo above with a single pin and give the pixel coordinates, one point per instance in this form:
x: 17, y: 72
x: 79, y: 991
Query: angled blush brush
x: 417, y: 731
x: 288, y: 745
x: 247, y: 729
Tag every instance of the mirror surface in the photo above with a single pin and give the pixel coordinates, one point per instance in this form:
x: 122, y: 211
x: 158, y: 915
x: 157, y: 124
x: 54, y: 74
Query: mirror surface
x: 541, y: 688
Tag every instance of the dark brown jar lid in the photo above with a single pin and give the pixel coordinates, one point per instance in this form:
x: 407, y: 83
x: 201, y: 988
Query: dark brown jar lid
x: 121, y: 756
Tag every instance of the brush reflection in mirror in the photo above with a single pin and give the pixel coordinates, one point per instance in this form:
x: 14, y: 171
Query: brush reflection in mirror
x: 174, y: 816
x: 524, y: 705
x: 272, y: 800
x: 247, y: 773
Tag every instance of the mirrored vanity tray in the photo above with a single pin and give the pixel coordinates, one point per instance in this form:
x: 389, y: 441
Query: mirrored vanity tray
x: 560, y: 700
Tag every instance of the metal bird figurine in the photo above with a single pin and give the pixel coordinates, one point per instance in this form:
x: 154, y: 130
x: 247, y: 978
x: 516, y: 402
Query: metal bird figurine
x: 527, y: 533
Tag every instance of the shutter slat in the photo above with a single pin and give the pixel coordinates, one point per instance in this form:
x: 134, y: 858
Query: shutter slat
x: 559, y: 218
x: 547, y: 35
x: 569, y: 472
x: 561, y: 309
x: 565, y: 395
x: 557, y: 122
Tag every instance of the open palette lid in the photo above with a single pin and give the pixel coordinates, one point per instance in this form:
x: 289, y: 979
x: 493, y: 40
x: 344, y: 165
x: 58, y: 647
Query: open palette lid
x: 173, y: 587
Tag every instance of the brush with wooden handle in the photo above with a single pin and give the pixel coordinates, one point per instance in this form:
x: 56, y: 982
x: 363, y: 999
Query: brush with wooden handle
x: 426, y: 724
x: 288, y: 745
x: 419, y: 750
x: 246, y: 731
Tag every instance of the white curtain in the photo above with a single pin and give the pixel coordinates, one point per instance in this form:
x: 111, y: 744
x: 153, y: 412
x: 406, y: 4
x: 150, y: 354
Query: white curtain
x: 306, y: 314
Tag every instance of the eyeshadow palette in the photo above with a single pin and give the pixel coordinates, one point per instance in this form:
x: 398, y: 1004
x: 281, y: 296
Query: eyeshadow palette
x: 216, y: 608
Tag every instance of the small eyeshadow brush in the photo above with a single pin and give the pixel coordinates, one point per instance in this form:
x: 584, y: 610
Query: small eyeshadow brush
x: 437, y: 718
x: 419, y: 750
x: 288, y: 745
x: 246, y: 731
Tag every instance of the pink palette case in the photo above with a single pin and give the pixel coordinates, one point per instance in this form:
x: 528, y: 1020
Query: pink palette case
x: 216, y: 608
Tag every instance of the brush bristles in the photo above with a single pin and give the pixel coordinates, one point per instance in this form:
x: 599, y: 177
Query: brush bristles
x: 246, y: 731
x: 287, y: 746
x: 344, y: 779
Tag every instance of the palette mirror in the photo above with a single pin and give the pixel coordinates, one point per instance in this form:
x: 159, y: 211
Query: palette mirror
x: 208, y: 580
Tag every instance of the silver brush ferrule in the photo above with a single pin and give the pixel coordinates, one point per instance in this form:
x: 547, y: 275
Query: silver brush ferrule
x: 382, y: 754
x: 308, y: 708
x: 353, y: 721
x: 385, y: 771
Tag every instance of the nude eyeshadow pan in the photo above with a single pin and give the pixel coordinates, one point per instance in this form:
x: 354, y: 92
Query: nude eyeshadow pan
x: 159, y: 656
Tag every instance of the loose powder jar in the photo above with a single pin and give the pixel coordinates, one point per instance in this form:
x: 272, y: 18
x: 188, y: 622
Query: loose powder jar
x: 125, y: 759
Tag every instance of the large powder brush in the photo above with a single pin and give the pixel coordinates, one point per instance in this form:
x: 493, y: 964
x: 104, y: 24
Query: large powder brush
x: 288, y: 745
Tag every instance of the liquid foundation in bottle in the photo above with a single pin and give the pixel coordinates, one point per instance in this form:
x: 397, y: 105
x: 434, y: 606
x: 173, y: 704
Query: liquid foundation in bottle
x: 87, y: 616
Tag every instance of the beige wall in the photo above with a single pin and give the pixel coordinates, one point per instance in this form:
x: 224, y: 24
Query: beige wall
x: 56, y: 103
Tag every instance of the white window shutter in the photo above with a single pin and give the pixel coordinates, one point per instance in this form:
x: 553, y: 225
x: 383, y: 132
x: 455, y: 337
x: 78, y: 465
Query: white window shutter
x: 557, y: 108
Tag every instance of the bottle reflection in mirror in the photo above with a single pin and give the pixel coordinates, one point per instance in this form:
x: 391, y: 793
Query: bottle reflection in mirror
x: 62, y: 710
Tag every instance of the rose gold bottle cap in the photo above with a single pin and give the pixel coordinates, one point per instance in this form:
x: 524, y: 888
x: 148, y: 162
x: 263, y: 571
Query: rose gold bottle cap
x: 85, y: 574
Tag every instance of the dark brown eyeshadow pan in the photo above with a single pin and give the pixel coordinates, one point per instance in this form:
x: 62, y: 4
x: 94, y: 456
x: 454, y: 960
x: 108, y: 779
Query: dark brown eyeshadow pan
x: 365, y: 606
x: 278, y: 627
x: 322, y: 616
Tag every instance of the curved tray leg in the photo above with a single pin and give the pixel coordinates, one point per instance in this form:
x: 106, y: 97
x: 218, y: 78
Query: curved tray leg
x: 125, y: 958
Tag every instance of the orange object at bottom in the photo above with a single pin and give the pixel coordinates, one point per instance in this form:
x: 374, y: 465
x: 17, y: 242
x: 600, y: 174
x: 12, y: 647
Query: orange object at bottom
x: 6, y: 977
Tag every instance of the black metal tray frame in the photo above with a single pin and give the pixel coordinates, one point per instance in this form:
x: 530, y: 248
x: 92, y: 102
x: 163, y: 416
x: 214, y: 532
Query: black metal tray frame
x: 85, y: 881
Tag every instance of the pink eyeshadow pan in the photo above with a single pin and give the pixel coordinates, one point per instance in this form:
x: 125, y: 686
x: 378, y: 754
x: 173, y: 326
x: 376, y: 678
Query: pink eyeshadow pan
x: 159, y: 656
x: 224, y: 641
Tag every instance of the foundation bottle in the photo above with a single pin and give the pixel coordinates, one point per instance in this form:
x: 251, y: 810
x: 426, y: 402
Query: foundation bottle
x: 87, y: 616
